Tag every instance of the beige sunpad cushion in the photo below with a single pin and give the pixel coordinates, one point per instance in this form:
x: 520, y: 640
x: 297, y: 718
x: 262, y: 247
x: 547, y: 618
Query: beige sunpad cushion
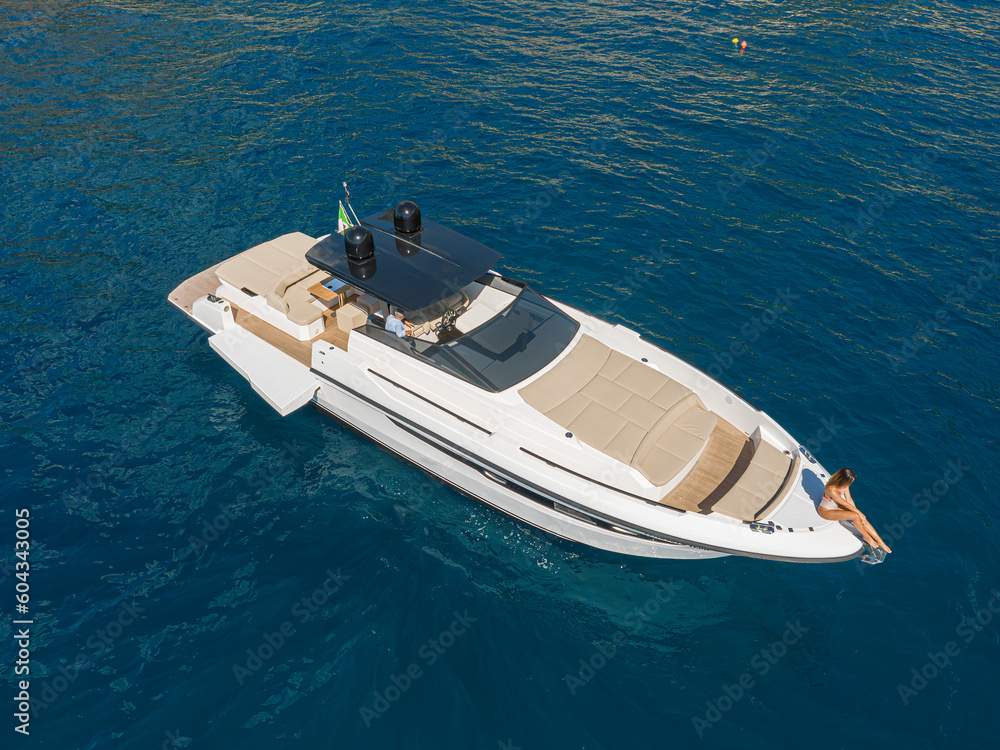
x: 763, y: 478
x: 301, y: 309
x: 623, y: 408
x: 278, y: 271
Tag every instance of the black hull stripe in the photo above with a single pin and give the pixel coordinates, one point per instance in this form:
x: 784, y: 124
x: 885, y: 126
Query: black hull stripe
x: 459, y: 417
x: 517, y: 484
x: 530, y: 453
x: 586, y: 516
x: 457, y: 453
x: 554, y: 465
x: 443, y: 480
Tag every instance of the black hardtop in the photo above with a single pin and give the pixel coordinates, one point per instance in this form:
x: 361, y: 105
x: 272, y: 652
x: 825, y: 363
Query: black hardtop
x: 410, y: 271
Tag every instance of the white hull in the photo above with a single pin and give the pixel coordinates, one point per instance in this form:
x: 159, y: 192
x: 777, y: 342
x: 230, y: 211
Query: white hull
x: 374, y: 425
x: 496, y: 448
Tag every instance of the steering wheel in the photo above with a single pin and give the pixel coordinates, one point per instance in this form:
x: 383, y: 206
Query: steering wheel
x: 446, y: 322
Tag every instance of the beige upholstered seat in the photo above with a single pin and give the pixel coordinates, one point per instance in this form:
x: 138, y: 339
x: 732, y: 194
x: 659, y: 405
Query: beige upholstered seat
x: 290, y: 294
x: 367, y: 303
x: 351, y: 316
x: 277, y: 271
x: 623, y: 408
x: 677, y: 438
x: 760, y: 483
x: 426, y: 319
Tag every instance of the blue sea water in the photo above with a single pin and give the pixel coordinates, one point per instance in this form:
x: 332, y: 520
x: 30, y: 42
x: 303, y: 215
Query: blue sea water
x: 814, y: 220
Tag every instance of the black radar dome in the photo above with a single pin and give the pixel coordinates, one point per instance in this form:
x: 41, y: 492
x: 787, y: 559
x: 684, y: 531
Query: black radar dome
x: 358, y: 244
x: 406, y: 217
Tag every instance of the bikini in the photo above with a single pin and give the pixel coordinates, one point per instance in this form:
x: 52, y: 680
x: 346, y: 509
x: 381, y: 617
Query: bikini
x: 828, y: 503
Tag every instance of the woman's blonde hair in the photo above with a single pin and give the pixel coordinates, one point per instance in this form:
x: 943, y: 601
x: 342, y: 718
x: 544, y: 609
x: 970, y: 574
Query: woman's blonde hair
x: 841, y: 479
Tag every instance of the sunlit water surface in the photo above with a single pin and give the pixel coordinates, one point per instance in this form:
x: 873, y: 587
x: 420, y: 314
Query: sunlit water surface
x: 823, y: 204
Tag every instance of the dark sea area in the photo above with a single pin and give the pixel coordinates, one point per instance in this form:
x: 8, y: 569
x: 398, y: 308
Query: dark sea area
x: 813, y: 219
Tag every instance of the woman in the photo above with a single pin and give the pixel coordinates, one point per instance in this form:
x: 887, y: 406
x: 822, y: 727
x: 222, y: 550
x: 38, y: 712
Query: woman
x: 838, y: 505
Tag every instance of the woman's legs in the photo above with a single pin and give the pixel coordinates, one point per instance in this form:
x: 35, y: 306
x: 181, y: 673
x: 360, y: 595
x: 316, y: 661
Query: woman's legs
x: 854, y: 517
x: 871, y: 529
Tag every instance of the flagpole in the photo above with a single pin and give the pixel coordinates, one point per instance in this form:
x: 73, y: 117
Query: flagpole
x: 347, y: 200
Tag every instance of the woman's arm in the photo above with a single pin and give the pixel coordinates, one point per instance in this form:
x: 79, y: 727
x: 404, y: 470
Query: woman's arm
x: 846, y: 500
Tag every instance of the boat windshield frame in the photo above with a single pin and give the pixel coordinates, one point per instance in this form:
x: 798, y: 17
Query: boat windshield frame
x: 512, y: 346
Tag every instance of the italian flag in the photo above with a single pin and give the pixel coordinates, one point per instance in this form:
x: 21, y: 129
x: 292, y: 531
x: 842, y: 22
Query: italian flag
x: 343, y: 220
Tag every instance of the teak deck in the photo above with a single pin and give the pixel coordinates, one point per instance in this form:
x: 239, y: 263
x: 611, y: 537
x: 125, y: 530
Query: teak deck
x: 204, y: 283
x: 207, y: 282
x: 298, y: 350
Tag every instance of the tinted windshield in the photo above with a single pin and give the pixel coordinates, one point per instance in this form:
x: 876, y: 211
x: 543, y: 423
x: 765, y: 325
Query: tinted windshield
x: 516, y: 344
x: 503, y: 351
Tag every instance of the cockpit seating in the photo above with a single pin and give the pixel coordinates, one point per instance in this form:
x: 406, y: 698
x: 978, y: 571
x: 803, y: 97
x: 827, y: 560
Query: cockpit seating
x: 278, y: 272
x: 429, y: 318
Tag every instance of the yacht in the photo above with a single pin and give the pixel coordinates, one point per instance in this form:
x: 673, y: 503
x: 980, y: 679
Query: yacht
x: 577, y: 426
